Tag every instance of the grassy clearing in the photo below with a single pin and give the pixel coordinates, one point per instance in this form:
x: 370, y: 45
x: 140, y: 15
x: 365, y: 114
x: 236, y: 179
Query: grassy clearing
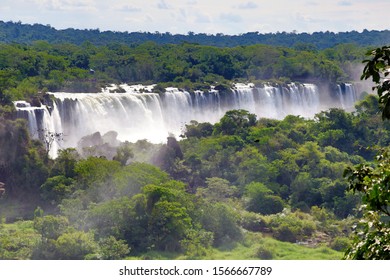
x: 276, y: 250
x: 255, y: 247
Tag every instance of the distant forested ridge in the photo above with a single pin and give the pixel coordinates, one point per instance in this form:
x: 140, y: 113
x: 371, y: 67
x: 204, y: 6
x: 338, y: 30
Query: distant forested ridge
x: 16, y: 32
x: 27, y: 70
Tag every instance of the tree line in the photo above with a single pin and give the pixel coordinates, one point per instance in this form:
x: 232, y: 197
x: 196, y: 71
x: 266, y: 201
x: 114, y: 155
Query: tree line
x: 28, y: 71
x: 17, y: 32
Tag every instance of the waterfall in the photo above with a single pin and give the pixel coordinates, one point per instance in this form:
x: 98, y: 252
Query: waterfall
x: 41, y: 123
x: 133, y: 116
x: 278, y: 101
x: 139, y: 113
x: 26, y: 111
x: 347, y: 96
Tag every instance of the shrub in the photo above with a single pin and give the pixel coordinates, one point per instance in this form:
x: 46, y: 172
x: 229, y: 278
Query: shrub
x: 340, y: 243
x: 252, y: 221
x: 292, y: 227
x: 264, y: 253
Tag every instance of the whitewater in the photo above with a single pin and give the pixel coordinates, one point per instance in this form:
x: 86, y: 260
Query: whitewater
x: 139, y: 113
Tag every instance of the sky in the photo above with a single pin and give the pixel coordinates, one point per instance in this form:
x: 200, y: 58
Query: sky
x: 229, y: 17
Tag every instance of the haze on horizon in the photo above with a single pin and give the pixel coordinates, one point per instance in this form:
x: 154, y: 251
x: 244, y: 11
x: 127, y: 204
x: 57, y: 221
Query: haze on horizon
x: 202, y: 16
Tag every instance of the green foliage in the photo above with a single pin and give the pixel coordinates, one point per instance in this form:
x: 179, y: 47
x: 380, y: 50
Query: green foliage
x: 292, y: 227
x: 217, y: 189
x: 131, y: 178
x: 221, y: 220
x: 235, y: 122
x: 28, y: 71
x: 57, y: 188
x: 261, y: 200
x: 51, y: 227
x: 100, y: 208
x: 264, y: 253
x: 95, y: 169
x: 372, y: 234
x: 169, y: 222
x: 340, y: 244
x: 65, y: 163
x: 197, y: 243
x: 198, y: 130
x: 252, y: 221
x: 76, y: 245
x: 113, y: 249
x: 377, y: 68
x: 18, y: 240
x: 124, y: 153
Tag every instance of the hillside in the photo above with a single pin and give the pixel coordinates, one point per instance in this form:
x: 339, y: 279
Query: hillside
x: 16, y: 32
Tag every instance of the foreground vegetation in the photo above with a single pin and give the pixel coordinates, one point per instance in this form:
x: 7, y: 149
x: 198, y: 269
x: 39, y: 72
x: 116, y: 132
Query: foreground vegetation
x: 220, y: 189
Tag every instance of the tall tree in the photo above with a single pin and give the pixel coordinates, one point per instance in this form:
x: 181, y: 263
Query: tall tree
x: 372, y: 234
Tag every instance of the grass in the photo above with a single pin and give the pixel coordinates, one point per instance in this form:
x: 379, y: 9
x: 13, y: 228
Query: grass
x: 255, y: 247
x: 18, y: 239
x: 276, y: 250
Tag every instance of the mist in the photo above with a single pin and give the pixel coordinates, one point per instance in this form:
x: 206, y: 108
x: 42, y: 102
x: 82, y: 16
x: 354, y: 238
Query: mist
x: 142, y: 114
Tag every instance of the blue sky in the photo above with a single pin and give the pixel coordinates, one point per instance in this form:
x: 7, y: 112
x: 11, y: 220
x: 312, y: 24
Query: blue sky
x: 202, y: 16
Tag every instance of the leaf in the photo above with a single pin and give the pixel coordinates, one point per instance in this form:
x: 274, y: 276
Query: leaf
x: 386, y: 110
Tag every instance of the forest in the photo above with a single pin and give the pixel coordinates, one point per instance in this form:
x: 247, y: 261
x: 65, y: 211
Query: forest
x: 27, y: 72
x: 17, y: 32
x: 242, y: 188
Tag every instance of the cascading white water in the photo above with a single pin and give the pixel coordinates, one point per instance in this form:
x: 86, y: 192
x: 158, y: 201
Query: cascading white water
x: 347, y: 96
x: 41, y: 123
x: 24, y: 108
x: 278, y: 102
x: 138, y: 113
x: 133, y: 116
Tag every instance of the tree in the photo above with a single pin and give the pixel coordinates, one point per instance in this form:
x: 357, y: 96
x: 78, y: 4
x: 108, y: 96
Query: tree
x: 124, y: 153
x: 76, y: 245
x: 218, y: 189
x: 372, y: 234
x: 261, y: 200
x: 235, y: 122
x: 49, y: 137
x: 113, y: 249
x: 377, y: 68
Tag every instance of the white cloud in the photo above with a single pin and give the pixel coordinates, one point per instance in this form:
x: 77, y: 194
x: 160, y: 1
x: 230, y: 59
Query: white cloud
x: 128, y: 9
x: 248, y: 5
x: 344, y: 3
x: 202, y: 16
x: 66, y: 5
x: 163, y: 6
x: 230, y: 17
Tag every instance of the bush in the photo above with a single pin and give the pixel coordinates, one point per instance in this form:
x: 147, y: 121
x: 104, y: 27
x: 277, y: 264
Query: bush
x: 264, y: 253
x: 197, y: 243
x: 252, y: 221
x: 292, y: 227
x: 76, y: 245
x: 285, y: 233
x: 113, y: 249
x: 340, y: 244
x: 222, y: 221
x: 261, y: 200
